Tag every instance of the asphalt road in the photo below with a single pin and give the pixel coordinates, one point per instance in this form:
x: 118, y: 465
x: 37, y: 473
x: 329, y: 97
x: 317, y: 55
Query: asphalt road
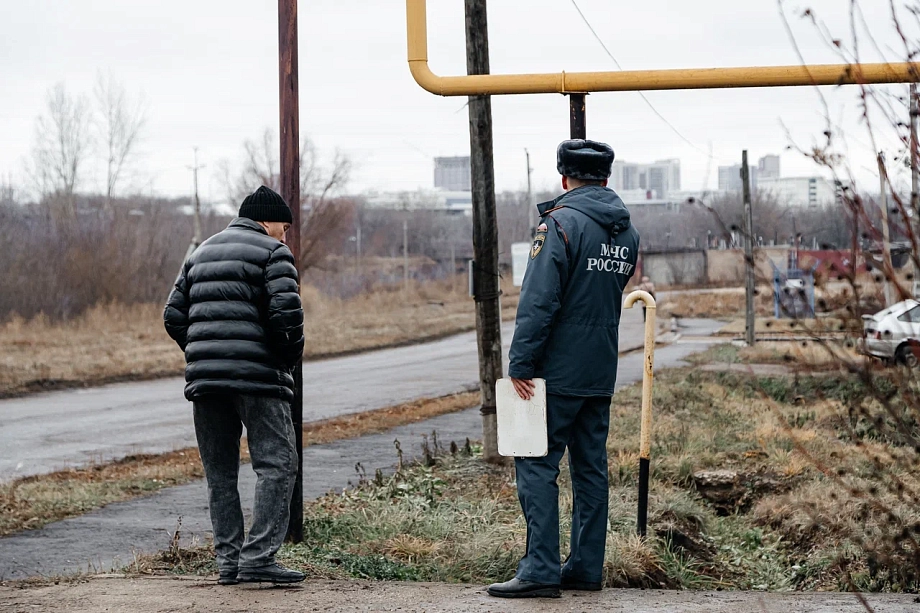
x: 46, y: 432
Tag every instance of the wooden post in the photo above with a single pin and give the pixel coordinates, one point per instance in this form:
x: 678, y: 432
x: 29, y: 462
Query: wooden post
x: 289, y: 133
x: 888, y: 270
x: 748, y: 252
x: 645, y: 431
x: 914, y: 186
x: 486, y: 288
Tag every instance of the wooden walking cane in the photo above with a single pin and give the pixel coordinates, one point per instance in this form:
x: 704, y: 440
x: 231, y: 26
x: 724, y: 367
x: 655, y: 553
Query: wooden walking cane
x: 645, y: 436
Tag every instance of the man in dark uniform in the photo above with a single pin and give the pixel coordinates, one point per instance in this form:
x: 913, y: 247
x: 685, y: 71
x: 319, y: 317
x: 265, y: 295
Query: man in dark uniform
x: 583, y: 254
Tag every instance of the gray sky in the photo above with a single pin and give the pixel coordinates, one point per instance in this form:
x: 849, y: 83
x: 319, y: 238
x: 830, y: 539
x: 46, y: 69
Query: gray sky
x: 208, y: 70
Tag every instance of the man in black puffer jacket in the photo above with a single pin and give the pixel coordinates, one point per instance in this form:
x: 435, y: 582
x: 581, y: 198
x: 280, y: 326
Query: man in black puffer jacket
x: 236, y: 312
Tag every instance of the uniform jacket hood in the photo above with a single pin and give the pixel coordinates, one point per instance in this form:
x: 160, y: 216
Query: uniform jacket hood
x: 601, y: 204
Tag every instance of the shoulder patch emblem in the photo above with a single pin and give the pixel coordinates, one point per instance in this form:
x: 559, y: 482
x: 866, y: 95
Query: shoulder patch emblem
x: 538, y: 241
x: 542, y: 228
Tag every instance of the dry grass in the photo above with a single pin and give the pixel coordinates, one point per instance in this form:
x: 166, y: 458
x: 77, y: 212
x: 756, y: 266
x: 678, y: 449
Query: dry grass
x: 359, y: 424
x: 718, y: 304
x: 824, y: 326
x: 801, y: 356
x: 117, y: 343
x: 389, y: 318
x: 833, y: 298
x: 807, y: 355
x: 31, y: 502
x: 783, y: 528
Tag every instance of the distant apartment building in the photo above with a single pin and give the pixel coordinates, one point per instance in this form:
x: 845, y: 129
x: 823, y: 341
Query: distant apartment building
x: 422, y: 199
x: 730, y: 176
x: 452, y: 173
x: 660, y: 178
x: 768, y: 167
x: 801, y: 191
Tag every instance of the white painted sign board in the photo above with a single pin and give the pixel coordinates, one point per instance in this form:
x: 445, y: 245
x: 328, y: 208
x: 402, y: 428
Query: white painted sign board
x: 520, y: 255
x: 521, y: 423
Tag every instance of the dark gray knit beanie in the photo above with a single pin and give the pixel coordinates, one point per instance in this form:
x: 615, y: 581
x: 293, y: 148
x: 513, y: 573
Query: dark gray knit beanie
x: 265, y: 204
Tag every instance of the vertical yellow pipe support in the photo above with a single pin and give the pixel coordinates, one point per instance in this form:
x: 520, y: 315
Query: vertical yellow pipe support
x: 645, y: 434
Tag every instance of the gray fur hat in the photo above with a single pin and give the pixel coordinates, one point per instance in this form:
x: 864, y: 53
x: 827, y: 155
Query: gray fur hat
x: 587, y: 160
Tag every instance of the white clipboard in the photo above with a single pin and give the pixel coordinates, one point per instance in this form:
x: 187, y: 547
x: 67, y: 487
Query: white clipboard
x: 521, y: 423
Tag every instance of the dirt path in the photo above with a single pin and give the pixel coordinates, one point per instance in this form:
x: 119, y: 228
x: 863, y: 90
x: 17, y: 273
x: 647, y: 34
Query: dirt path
x: 108, y: 537
x: 166, y: 594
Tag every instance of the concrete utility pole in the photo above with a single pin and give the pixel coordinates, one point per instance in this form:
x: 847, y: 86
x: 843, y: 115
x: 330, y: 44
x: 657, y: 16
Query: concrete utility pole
x: 486, y: 288
x: 290, y: 190
x: 748, y: 252
x: 886, y: 238
x: 196, y: 240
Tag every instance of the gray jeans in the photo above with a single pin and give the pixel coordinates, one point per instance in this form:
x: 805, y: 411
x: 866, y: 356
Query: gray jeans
x: 219, y: 422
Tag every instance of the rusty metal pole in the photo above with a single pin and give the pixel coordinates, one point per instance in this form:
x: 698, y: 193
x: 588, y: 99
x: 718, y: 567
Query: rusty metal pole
x: 578, y: 127
x: 290, y: 190
x: 486, y: 287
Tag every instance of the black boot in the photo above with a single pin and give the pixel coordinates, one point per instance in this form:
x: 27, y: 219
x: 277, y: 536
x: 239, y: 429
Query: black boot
x: 583, y: 586
x: 273, y: 573
x: 516, y: 588
x: 227, y: 577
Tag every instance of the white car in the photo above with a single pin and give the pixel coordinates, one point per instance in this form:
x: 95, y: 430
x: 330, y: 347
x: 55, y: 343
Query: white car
x: 894, y: 333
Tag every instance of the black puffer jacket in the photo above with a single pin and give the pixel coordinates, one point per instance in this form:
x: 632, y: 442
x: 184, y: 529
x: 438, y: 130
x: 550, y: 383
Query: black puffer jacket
x: 236, y: 312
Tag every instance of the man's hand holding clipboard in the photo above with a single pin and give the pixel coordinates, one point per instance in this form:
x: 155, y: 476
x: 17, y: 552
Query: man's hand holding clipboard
x: 521, y: 412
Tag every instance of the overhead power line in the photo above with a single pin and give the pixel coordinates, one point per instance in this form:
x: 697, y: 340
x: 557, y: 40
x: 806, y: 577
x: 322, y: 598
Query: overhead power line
x: 647, y: 101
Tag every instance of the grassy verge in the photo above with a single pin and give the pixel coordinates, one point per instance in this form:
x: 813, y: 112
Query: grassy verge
x: 810, y: 356
x: 113, y: 343
x: 32, y: 502
x: 765, y: 483
x: 729, y: 303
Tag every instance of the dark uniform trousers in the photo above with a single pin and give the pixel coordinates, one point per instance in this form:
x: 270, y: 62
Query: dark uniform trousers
x: 581, y: 424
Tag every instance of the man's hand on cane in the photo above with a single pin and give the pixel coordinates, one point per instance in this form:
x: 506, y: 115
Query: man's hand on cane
x: 524, y: 387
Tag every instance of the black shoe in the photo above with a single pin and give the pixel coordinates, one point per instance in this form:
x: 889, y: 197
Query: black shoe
x: 516, y: 588
x: 273, y: 573
x: 582, y: 586
x: 227, y: 577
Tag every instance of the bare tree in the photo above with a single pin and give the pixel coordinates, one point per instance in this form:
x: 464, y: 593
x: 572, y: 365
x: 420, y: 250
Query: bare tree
x: 119, y: 123
x: 62, y: 145
x: 319, y: 182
